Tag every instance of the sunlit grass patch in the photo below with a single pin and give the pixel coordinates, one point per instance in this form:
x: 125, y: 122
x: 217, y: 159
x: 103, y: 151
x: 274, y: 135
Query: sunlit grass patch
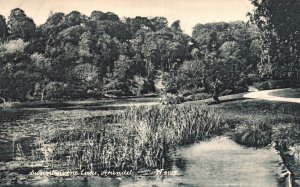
x: 291, y: 93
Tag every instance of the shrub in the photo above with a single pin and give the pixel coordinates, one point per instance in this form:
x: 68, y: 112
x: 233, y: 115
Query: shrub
x: 56, y: 90
x: 289, y: 133
x: 257, y: 134
x: 276, y: 84
x: 171, y: 99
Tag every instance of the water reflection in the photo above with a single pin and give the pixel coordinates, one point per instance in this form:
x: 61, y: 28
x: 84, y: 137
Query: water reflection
x: 218, y: 162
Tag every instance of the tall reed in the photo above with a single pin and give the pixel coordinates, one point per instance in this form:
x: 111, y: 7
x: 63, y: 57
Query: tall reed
x: 139, y: 137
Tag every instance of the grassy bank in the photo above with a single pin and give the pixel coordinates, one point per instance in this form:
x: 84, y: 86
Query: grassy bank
x: 291, y: 93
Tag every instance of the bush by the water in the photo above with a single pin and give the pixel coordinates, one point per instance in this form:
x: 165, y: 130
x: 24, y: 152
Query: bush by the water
x: 56, y: 90
x: 171, y: 99
x: 256, y: 134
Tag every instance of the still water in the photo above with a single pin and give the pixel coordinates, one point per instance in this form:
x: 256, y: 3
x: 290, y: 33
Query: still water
x: 217, y: 162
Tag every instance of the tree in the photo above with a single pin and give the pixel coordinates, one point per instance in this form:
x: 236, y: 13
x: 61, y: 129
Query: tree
x: 20, y: 26
x: 187, y: 77
x: 3, y: 29
x: 279, y: 24
x: 121, y: 78
x: 176, y: 26
x: 220, y: 69
x: 158, y: 23
x: 64, y: 52
x: 86, y: 79
x: 41, y: 67
x: 224, y: 73
x: 115, y: 29
x: 164, y: 47
x: 15, y: 62
x: 137, y: 23
x: 74, y: 18
x: 54, y: 24
x: 56, y: 90
x: 100, y: 16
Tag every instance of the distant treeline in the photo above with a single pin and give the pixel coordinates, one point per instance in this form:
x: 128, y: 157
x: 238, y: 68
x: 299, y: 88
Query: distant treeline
x: 78, y: 56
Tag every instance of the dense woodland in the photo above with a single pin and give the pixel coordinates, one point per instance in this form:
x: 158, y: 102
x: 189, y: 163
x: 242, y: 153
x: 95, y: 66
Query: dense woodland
x: 74, y: 56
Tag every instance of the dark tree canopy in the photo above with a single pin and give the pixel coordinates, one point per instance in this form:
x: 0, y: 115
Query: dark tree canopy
x: 278, y: 21
x: 3, y: 29
x: 20, y: 26
x: 176, y: 26
x: 77, y: 56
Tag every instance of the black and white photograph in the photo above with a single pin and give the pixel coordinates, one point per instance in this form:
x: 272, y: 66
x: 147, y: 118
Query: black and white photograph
x: 150, y: 93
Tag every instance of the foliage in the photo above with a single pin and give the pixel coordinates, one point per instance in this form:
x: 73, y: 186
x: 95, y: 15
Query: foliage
x: 122, y: 76
x: 275, y: 84
x: 20, y: 25
x: 15, y: 72
x: 56, y: 90
x: 171, y: 99
x: 221, y: 61
x: 256, y: 134
x: 279, y: 25
x: 197, y: 96
x: 102, y: 54
x: 289, y: 133
x: 3, y: 29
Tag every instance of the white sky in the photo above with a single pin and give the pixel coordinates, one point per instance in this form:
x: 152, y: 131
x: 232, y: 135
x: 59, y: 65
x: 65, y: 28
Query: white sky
x: 189, y: 12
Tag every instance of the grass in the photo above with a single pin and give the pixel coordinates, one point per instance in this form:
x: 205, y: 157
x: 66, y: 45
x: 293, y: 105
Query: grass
x: 274, y: 112
x: 290, y: 93
x: 257, y: 134
x: 250, y: 113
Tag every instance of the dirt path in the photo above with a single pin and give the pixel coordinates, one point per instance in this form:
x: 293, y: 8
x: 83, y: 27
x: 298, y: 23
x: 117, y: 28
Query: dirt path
x: 266, y: 95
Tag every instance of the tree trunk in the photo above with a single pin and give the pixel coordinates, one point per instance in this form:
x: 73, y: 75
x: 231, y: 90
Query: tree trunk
x: 216, y: 93
x: 42, y: 94
x: 216, y: 98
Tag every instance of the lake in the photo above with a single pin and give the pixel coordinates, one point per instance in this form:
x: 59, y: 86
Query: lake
x: 216, y: 162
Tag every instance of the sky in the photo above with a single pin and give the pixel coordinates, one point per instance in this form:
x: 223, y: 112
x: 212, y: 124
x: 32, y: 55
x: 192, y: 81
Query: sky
x: 189, y: 12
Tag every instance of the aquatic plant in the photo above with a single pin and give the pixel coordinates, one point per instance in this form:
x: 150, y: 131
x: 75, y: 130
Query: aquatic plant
x: 139, y: 137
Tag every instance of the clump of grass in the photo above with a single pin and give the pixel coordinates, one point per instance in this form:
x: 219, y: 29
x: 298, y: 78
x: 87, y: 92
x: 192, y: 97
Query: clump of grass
x: 255, y: 134
x: 287, y: 132
x: 140, y: 137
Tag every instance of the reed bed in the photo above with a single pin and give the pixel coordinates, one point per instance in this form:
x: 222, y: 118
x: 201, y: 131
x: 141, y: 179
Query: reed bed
x: 137, y: 138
